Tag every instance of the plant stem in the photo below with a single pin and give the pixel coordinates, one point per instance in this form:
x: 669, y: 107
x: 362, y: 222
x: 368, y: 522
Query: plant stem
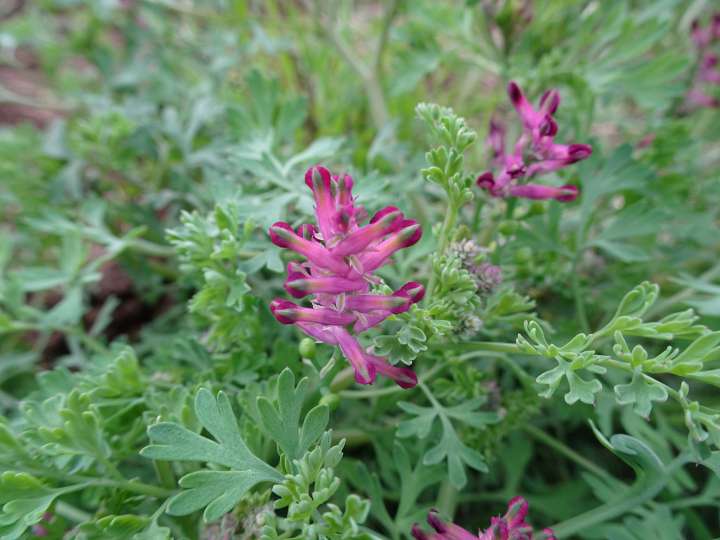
x: 565, y: 450
x: 369, y: 77
x: 447, y: 499
x: 70, y: 512
x: 637, y: 496
x: 577, y: 293
x: 135, y: 487
x: 487, y: 346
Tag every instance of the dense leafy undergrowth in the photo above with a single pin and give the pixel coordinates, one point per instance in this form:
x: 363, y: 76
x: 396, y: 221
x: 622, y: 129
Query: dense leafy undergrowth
x: 334, y: 270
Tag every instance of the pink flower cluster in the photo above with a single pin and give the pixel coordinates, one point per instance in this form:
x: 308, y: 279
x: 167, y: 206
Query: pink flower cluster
x: 535, y: 152
x: 707, y: 73
x: 511, y: 526
x: 341, y: 256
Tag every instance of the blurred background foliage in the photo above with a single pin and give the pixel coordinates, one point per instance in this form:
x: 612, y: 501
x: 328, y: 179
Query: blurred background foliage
x: 146, y: 146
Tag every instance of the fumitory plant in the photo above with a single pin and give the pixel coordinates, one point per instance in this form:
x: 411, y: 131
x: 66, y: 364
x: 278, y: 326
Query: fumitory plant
x: 497, y: 318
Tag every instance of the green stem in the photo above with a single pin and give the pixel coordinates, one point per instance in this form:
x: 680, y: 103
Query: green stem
x: 165, y: 474
x: 565, y: 450
x: 70, y: 512
x: 577, y: 293
x: 373, y: 89
x: 150, y: 248
x: 444, y: 241
x: 353, y: 437
x: 134, y: 487
x: 606, y: 512
x: 447, y: 499
x: 485, y: 346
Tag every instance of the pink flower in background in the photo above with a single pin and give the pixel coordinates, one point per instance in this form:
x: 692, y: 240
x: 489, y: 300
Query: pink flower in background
x: 511, y: 526
x: 534, y: 153
x: 707, y: 74
x: 341, y: 256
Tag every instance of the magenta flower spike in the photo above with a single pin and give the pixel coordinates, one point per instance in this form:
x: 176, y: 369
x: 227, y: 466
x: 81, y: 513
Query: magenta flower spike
x: 534, y: 153
x: 341, y: 255
x: 511, y: 526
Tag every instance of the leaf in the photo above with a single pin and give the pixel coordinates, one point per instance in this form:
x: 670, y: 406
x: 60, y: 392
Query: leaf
x: 218, y: 491
x: 640, y: 392
x: 23, y: 501
x: 450, y: 447
x: 122, y: 527
x: 281, y: 421
x: 579, y: 389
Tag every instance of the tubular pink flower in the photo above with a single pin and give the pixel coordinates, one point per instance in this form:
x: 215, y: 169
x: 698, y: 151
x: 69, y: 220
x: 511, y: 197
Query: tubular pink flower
x: 511, y: 526
x: 319, y: 181
x: 319, y: 332
x: 364, y: 369
x: 341, y: 257
x: 404, y: 377
x: 288, y: 312
x: 408, y: 233
x: 530, y: 118
x: 300, y: 287
x: 364, y: 236
x: 534, y: 153
x: 706, y: 74
x: 412, y: 291
x: 366, y: 303
x: 496, y: 139
x: 541, y: 192
x: 282, y: 235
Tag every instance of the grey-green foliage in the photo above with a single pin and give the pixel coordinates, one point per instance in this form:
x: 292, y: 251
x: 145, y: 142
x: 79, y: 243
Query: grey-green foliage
x: 449, y: 448
x: 209, y: 248
x: 306, y: 493
x: 401, y: 465
x: 281, y: 419
x: 579, y: 363
x: 446, y: 162
x: 23, y: 501
x: 218, y: 491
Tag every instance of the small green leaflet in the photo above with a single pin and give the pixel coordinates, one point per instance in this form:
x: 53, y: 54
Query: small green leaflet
x: 218, y: 491
x: 640, y: 392
x: 23, y: 501
x: 282, y: 421
x: 450, y: 448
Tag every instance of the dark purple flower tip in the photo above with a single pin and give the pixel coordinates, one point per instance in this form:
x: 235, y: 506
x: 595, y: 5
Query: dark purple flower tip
x: 380, y: 214
x: 550, y: 101
x: 318, y: 176
x: 709, y: 61
x: 409, y: 232
x: 344, y: 184
x: 435, y: 521
x: 516, y: 511
x: 547, y: 534
x: 405, y: 377
x: 306, y: 231
x: 498, y: 530
x: 418, y: 534
x: 486, y: 180
x: 281, y: 234
x: 413, y: 290
x: 280, y: 309
x: 578, y: 152
x: 296, y: 282
x: 516, y: 95
x: 569, y: 193
x: 548, y: 127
